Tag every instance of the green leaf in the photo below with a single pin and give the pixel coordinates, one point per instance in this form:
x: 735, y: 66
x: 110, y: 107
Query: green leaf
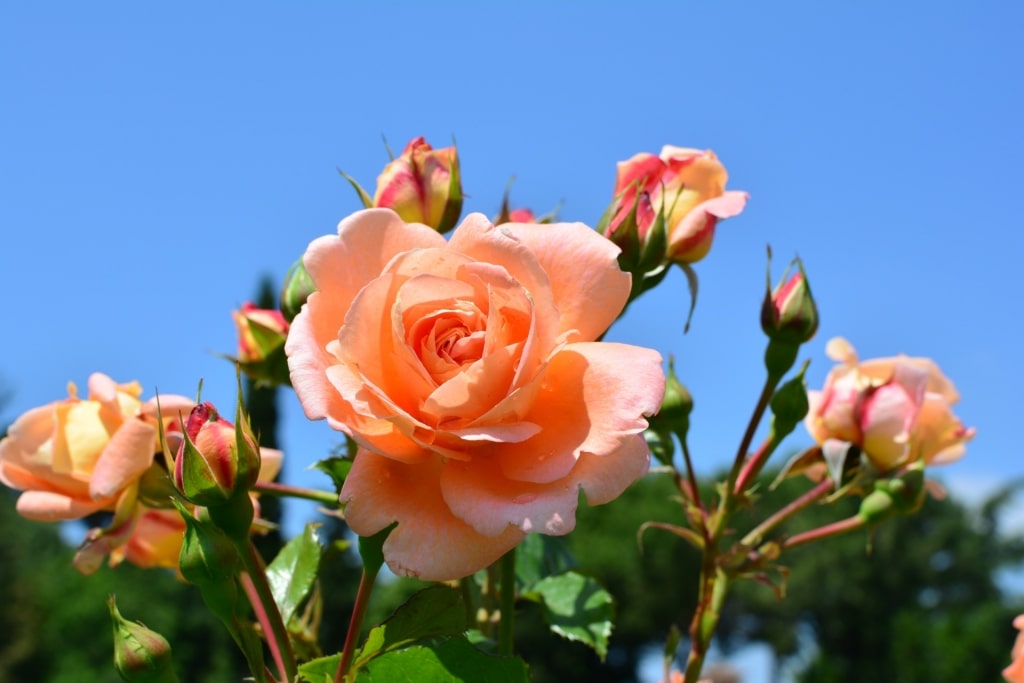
x: 292, y: 573
x: 335, y: 468
x: 454, y: 660
x: 364, y: 197
x: 539, y: 556
x: 432, y: 612
x: 577, y: 607
x: 692, y: 284
x: 319, y: 670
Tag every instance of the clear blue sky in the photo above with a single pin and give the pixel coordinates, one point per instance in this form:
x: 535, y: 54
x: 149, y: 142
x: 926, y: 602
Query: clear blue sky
x: 154, y: 161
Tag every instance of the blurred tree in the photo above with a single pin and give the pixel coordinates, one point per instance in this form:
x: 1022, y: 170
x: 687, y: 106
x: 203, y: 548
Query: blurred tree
x: 261, y: 405
x: 916, y: 601
x: 55, y: 624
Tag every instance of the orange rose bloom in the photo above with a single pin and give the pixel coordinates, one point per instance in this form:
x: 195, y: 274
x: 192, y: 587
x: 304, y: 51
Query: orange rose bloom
x: 469, y: 374
x: 76, y: 456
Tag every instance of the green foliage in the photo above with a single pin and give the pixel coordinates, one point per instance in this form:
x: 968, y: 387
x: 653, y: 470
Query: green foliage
x: 576, y: 607
x: 292, y: 573
x: 453, y: 660
x: 335, y: 468
x: 56, y: 626
x: 434, y: 611
x: 654, y: 587
x: 916, y: 601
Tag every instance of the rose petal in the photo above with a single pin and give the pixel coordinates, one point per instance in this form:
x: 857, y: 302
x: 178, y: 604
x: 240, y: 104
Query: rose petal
x: 593, y: 398
x: 589, y: 288
x: 888, y: 413
x: 366, y: 242
x: 357, y: 416
x: 939, y: 436
x: 477, y: 238
x: 270, y: 463
x: 478, y: 493
x: 690, y: 240
x: 172, y: 407
x: 47, y: 506
x: 428, y: 543
x: 128, y: 454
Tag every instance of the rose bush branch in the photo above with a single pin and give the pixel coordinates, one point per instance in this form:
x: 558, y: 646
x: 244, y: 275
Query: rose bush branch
x: 273, y: 488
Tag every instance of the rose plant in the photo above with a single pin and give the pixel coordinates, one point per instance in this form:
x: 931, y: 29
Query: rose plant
x: 480, y: 402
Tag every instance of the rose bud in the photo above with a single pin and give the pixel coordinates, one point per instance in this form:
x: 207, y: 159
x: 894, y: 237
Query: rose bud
x: 686, y: 187
x: 141, y: 655
x: 216, y: 459
x: 260, y: 332
x: 789, y: 313
x: 422, y: 186
x: 296, y: 289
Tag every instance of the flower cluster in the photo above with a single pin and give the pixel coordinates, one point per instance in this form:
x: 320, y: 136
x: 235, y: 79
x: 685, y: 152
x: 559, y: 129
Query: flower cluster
x: 464, y: 360
x: 75, y: 457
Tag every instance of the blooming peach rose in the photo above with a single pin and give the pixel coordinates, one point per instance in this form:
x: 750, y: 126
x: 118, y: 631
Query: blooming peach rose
x: 74, y: 457
x: 689, y: 185
x: 1015, y: 672
x: 897, y: 410
x: 468, y: 374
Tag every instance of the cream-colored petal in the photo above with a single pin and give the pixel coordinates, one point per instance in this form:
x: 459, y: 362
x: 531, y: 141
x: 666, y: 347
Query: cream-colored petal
x: 47, y: 506
x: 128, y: 454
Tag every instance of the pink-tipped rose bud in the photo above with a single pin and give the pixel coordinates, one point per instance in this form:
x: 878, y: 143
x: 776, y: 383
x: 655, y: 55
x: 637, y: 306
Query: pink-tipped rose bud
x: 261, y: 331
x: 422, y: 186
x: 216, y: 459
x: 141, y: 655
x: 521, y: 216
x: 789, y: 313
x: 687, y: 187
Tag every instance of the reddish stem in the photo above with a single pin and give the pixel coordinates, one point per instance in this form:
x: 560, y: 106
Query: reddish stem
x: 834, y: 529
x: 264, y: 619
x: 757, y: 534
x: 753, y: 466
x: 355, y: 624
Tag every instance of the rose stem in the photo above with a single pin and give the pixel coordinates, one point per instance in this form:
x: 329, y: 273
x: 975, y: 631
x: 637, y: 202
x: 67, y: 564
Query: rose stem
x: 273, y: 488
x: 756, y: 535
x: 506, y: 630
x: 355, y: 623
x: 266, y: 609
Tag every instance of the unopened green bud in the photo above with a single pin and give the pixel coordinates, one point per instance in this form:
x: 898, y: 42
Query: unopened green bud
x: 676, y: 406
x: 297, y: 287
x: 789, y: 405
x: 141, y: 655
x: 208, y: 556
x: 899, y: 495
